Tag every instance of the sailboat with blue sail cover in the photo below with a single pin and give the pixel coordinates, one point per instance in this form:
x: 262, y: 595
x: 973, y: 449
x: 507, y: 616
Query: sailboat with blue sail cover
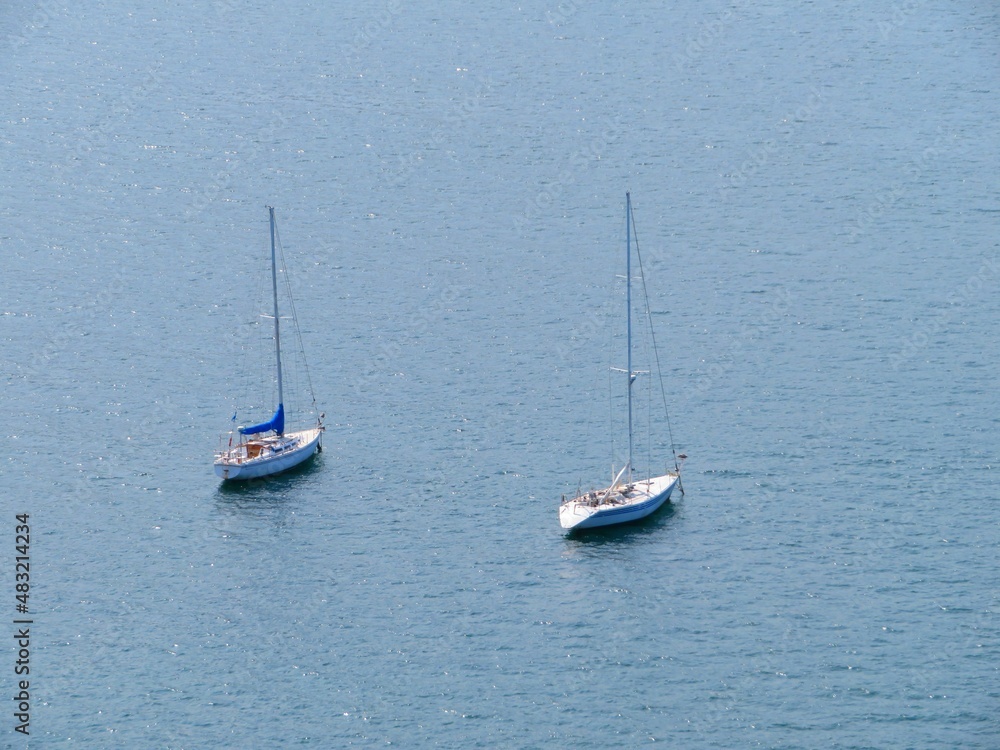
x: 266, y: 448
x: 629, y: 497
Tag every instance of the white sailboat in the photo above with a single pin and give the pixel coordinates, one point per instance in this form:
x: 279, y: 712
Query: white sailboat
x: 264, y: 449
x: 628, y: 498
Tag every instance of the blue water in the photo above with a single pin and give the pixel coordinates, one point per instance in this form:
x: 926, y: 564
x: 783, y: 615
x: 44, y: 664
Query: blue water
x: 815, y: 193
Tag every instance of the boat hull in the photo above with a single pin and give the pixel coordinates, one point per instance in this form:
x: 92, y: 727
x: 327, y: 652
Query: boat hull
x: 296, y: 447
x: 645, y: 498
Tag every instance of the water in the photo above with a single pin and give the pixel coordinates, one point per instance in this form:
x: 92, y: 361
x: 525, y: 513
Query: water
x: 815, y: 198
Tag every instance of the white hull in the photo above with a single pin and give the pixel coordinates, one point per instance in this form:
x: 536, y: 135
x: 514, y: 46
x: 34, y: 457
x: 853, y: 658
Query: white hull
x: 619, y: 505
x: 266, y: 456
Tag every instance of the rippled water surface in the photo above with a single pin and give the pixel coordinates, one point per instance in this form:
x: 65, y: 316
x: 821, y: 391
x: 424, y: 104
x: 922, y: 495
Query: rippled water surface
x: 815, y: 193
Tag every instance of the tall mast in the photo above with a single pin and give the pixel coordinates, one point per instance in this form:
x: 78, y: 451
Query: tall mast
x: 628, y: 304
x: 274, y: 288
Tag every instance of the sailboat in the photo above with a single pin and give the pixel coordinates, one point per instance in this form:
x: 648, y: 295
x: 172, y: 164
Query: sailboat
x: 264, y: 449
x: 628, y: 498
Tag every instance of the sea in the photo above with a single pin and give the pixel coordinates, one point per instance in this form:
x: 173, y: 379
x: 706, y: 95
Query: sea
x: 815, y: 193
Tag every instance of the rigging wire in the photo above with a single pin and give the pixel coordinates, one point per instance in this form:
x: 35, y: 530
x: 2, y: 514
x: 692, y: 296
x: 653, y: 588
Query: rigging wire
x: 295, y: 317
x: 258, y: 345
x: 611, y: 404
x: 656, y: 353
x: 649, y: 414
x: 290, y: 370
x: 250, y: 347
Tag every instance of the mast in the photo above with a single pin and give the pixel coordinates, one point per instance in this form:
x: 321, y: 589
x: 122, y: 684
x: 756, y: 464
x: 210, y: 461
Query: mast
x: 628, y: 304
x: 274, y: 288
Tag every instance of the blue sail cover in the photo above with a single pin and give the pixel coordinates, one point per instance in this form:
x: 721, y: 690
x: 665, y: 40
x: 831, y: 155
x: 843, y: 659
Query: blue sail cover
x: 276, y: 423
